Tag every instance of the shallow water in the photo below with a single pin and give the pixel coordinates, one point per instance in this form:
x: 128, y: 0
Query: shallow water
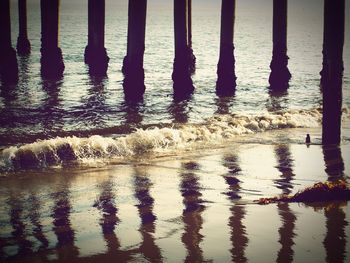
x: 176, y: 209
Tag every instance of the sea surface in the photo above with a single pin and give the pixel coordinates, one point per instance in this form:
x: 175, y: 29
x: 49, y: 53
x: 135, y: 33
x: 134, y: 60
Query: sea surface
x: 86, y: 175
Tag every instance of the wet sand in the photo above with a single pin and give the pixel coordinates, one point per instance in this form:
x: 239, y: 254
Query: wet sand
x: 194, y: 208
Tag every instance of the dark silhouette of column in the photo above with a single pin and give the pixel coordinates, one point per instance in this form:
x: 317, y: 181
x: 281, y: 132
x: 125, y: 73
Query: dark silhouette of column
x: 332, y: 71
x: 52, y: 65
x: 192, y: 213
x: 335, y: 239
x: 285, y: 167
x: 238, y: 233
x: 23, y: 44
x: 8, y: 59
x: 189, y: 36
x: 148, y: 247
x: 62, y: 226
x: 95, y: 52
x: 226, y: 83
x: 109, y: 221
x: 231, y: 163
x: 179, y: 111
x: 134, y: 75
x: 286, y: 231
x: 333, y: 162
x: 239, y: 237
x: 34, y: 215
x: 280, y: 74
x: 183, y: 62
x: 19, y: 227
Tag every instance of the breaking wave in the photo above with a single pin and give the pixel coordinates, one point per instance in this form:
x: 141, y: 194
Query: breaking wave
x: 44, y: 153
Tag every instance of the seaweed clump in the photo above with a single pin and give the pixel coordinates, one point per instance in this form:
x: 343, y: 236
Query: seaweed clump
x: 319, y: 192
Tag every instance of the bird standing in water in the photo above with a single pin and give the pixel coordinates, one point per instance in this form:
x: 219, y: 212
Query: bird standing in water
x: 307, y: 139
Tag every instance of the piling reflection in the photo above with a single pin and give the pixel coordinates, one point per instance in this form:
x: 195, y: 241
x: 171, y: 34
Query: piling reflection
x: 109, y: 221
x: 278, y: 100
x: 231, y: 162
x: 51, y: 111
x: 179, y: 111
x: 62, y: 228
x: 133, y: 112
x: 192, y: 213
x: 286, y: 232
x: 19, y: 234
x: 285, y: 164
x: 335, y: 240
x: 94, y: 105
x: 334, y: 164
x: 239, y: 239
x: 224, y: 104
x: 148, y: 247
x: 34, y: 216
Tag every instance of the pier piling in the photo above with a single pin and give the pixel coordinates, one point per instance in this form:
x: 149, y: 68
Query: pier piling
x: 8, y: 58
x: 95, y: 52
x: 332, y: 71
x: 134, y: 75
x: 183, y: 62
x: 280, y: 74
x: 52, y: 65
x: 23, y: 44
x: 226, y: 83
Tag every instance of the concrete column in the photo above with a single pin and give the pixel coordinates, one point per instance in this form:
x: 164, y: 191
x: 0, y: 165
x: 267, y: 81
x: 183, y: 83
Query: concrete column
x: 226, y: 83
x: 134, y: 75
x: 189, y: 35
x: 8, y: 58
x: 332, y: 72
x: 23, y: 44
x: 95, y: 53
x: 182, y: 69
x: 280, y: 74
x: 52, y: 65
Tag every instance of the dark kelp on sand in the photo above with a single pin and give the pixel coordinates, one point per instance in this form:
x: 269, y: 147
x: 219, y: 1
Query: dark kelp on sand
x: 319, y: 192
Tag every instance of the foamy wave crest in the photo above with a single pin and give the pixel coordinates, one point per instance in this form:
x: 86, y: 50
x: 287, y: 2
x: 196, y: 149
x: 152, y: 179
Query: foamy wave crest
x: 216, y: 129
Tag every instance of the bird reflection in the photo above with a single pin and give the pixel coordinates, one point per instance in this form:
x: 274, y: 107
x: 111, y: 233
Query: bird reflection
x: 335, y: 240
x: 148, y: 247
x: 286, y: 231
x: 179, y: 111
x: 62, y: 226
x: 239, y: 237
x: 192, y: 213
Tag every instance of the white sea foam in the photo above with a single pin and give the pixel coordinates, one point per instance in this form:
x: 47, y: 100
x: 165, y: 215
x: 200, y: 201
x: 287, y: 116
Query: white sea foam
x: 214, y: 130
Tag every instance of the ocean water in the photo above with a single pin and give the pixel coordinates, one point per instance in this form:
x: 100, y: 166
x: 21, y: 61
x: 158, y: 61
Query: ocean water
x: 80, y: 105
x: 85, y: 175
